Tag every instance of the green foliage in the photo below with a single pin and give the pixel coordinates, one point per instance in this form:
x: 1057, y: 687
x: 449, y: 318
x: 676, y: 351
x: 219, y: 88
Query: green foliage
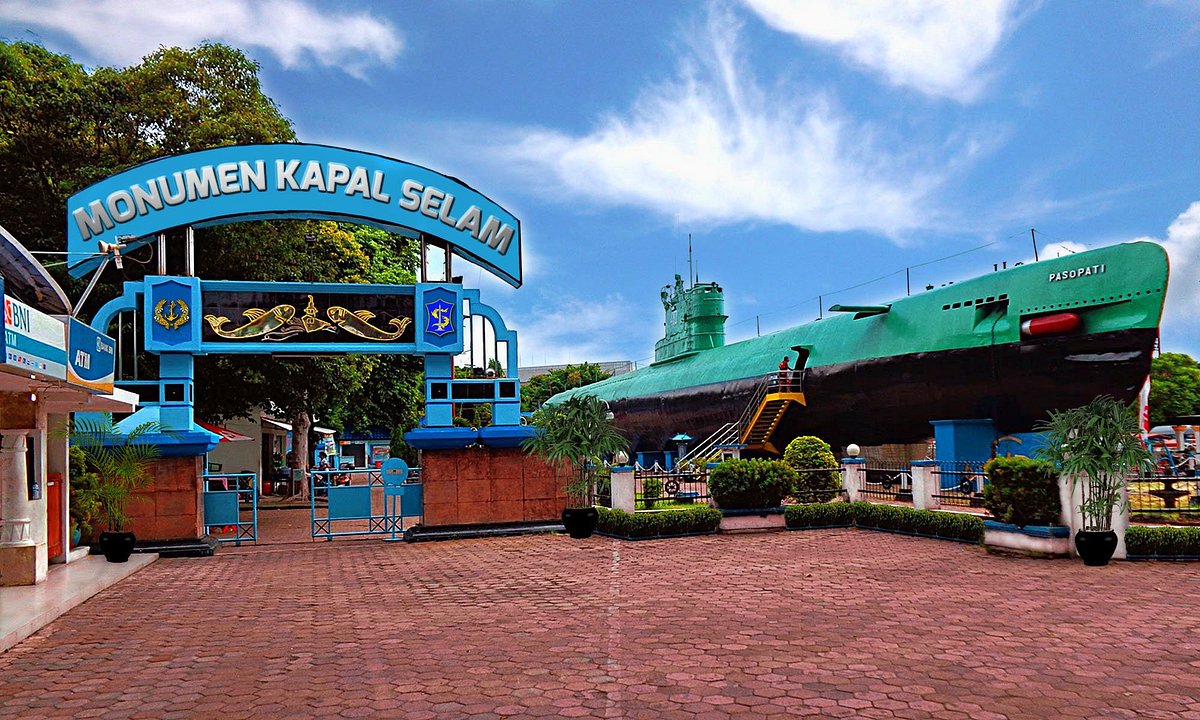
x: 745, y: 484
x: 85, y: 505
x: 121, y: 462
x: 1098, y: 445
x: 815, y: 515
x: 657, y: 524
x: 1022, y: 491
x: 651, y: 491
x: 954, y: 526
x: 1162, y: 541
x: 803, y: 455
x: 1174, y: 387
x: 578, y: 433
x: 541, y: 388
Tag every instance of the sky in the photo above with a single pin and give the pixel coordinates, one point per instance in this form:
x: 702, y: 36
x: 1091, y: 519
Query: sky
x: 805, y: 147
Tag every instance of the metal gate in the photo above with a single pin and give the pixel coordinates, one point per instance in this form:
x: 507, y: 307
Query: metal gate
x: 363, y: 502
x: 231, y: 507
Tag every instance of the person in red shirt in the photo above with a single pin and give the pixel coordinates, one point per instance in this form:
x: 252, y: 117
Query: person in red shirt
x: 785, y: 373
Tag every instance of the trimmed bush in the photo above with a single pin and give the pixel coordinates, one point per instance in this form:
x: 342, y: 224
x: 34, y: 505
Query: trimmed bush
x: 1022, y: 491
x: 658, y: 524
x: 954, y: 526
x: 750, y: 484
x: 651, y: 491
x: 803, y: 455
x: 819, y: 515
x: 1162, y: 541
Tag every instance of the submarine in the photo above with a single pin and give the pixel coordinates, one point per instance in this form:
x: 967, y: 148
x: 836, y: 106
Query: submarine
x: 1010, y: 345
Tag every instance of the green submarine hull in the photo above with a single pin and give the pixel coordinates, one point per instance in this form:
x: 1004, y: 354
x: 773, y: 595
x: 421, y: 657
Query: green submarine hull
x: 1010, y: 345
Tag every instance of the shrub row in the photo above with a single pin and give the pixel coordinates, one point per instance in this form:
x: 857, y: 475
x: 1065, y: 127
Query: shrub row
x: 954, y: 526
x: 1022, y: 491
x: 1162, y: 541
x: 668, y: 522
x: 819, y: 515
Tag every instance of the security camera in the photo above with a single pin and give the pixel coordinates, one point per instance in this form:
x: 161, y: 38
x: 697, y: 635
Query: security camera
x: 114, y: 249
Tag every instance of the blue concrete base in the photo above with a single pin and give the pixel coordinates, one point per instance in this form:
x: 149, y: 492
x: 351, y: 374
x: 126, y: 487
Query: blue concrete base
x: 451, y: 438
x: 447, y: 438
x: 1042, y: 531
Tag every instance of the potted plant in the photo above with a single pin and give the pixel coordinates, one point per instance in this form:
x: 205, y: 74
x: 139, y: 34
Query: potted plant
x: 121, y: 465
x: 749, y: 493
x: 1097, y: 446
x: 575, y: 436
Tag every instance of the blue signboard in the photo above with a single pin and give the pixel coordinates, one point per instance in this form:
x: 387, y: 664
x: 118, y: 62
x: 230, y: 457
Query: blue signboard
x: 187, y: 315
x: 91, y: 357
x: 292, y: 180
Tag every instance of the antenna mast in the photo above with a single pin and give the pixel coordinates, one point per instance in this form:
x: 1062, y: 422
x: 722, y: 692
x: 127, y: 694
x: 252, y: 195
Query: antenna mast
x: 691, y: 272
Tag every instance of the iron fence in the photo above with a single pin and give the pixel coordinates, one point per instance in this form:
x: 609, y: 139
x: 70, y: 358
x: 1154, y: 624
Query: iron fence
x: 889, y: 481
x: 656, y: 488
x: 959, y: 482
x: 231, y: 507
x: 1165, y: 493
x: 360, y: 502
x: 819, y: 485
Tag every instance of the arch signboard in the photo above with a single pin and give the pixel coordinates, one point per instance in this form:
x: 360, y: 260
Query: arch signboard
x: 291, y: 180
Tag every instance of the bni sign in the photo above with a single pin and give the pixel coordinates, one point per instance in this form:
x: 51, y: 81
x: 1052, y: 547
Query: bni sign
x: 34, y: 342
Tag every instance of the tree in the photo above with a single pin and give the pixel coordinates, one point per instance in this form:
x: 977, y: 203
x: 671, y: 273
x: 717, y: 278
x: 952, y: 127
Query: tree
x: 1174, y: 387
x: 63, y: 128
x: 541, y: 388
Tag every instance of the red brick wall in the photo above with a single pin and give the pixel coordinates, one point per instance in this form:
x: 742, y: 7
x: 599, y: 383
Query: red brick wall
x: 477, y: 486
x: 170, y: 508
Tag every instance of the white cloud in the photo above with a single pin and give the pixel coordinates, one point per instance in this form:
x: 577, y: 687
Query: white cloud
x: 938, y: 47
x: 713, y: 146
x: 568, y: 329
x: 121, y: 32
x: 1182, y: 310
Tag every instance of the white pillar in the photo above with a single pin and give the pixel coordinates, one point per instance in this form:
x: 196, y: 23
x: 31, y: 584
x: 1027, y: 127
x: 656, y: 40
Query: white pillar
x: 924, y: 485
x: 853, y: 473
x: 623, y: 493
x: 16, y: 511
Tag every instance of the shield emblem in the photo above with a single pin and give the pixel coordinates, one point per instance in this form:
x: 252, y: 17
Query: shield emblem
x: 439, y: 318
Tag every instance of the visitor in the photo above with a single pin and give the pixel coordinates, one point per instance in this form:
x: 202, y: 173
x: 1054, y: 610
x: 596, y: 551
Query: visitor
x: 785, y: 373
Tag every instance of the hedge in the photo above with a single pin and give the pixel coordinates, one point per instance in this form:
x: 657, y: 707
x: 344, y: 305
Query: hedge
x: 701, y: 519
x: 819, y: 515
x: 1162, y: 541
x: 951, y: 526
x: 750, y: 484
x: 1022, y: 492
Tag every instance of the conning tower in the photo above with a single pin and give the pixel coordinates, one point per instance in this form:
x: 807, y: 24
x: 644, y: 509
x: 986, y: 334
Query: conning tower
x: 695, y: 320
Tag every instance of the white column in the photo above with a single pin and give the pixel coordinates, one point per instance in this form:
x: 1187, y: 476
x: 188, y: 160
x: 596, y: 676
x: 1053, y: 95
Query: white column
x: 623, y: 494
x: 924, y: 485
x: 16, y: 512
x: 853, y: 473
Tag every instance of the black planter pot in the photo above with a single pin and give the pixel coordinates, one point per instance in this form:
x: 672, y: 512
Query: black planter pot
x: 580, y: 522
x: 1096, y: 547
x: 117, y: 546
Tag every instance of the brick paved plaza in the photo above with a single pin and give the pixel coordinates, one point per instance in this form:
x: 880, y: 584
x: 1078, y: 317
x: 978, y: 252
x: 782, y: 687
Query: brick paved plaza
x: 828, y: 623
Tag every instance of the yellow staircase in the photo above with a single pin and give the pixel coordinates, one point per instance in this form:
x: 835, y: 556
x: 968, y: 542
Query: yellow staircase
x: 765, y: 419
x: 775, y: 394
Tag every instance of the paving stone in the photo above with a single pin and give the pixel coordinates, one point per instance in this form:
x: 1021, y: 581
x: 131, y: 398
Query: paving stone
x: 824, y: 623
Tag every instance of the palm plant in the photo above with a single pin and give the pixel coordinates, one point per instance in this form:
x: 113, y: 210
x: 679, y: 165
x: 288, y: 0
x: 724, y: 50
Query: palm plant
x: 1096, y: 444
x: 120, y: 461
x: 580, y: 433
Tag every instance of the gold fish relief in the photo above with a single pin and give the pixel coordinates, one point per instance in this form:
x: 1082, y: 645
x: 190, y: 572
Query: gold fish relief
x: 261, y: 323
x: 359, y: 323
